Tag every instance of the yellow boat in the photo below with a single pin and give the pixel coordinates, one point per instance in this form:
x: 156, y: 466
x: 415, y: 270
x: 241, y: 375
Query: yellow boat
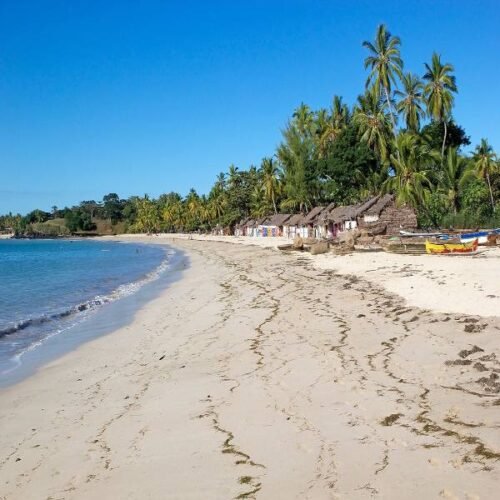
x: 451, y: 248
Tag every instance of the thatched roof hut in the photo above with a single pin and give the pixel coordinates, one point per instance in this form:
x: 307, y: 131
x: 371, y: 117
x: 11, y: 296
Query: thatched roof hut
x: 351, y: 212
x: 324, y: 216
x: 385, y: 217
x: 382, y: 203
x: 277, y: 220
x: 311, y: 217
x: 295, y: 220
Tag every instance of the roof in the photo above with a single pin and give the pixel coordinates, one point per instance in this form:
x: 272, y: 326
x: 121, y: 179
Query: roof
x: 250, y: 223
x: 324, y: 216
x: 350, y: 212
x: 295, y: 220
x: 243, y: 222
x: 277, y: 219
x: 380, y: 205
x: 311, y: 216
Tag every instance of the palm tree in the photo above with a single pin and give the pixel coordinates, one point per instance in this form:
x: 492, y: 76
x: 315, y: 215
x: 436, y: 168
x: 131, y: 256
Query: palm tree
x: 373, y: 122
x: 410, y: 180
x: 456, y: 173
x: 486, y: 164
x: 385, y: 63
x: 271, y: 184
x: 439, y: 92
x: 304, y: 119
x: 410, y: 105
x: 330, y: 126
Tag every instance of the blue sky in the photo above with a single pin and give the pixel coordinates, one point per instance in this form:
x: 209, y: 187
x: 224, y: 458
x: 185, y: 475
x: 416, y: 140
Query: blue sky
x: 153, y: 96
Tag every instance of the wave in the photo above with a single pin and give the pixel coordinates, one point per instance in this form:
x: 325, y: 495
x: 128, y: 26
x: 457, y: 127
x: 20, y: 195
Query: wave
x: 88, y: 305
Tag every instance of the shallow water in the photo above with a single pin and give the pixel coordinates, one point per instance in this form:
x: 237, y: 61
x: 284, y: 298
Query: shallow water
x: 54, y: 294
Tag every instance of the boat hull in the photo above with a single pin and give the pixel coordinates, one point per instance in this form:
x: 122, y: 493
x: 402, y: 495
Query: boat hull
x: 451, y: 248
x: 481, y: 236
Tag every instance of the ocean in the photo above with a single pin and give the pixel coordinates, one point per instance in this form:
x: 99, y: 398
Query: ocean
x: 53, y: 290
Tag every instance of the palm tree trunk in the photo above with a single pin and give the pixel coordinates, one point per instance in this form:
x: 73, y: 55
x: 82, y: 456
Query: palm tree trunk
x: 390, y: 112
x: 393, y: 120
x: 491, y: 192
x: 444, y: 138
x: 274, y: 205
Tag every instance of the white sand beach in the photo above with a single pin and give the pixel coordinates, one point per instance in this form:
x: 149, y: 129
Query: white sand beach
x: 269, y: 376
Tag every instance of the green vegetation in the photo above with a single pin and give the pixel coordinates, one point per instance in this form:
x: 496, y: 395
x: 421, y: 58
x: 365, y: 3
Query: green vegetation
x: 399, y: 137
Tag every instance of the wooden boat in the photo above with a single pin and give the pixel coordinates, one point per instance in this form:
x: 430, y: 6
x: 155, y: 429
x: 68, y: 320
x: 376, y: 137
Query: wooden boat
x: 287, y: 248
x: 414, y: 246
x: 451, y: 248
x: 409, y: 234
x: 481, y: 236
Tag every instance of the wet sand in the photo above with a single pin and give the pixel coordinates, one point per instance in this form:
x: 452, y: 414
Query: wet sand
x: 259, y: 376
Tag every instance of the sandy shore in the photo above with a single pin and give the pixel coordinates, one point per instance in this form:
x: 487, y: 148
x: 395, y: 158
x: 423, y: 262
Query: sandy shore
x: 463, y: 284
x: 258, y: 376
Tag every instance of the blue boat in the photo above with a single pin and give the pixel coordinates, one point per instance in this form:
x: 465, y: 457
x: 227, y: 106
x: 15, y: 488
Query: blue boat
x: 481, y: 236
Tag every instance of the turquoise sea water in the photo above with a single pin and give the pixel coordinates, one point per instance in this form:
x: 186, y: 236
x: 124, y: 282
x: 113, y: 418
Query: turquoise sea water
x: 49, y: 287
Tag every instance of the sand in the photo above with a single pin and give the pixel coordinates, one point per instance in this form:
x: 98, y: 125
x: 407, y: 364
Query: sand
x: 259, y: 376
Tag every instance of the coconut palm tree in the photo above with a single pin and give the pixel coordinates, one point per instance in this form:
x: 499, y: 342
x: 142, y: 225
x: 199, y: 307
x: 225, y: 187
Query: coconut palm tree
x: 457, y: 172
x: 486, y: 164
x: 411, y: 177
x: 147, y: 215
x: 233, y: 175
x: 330, y: 126
x: 411, y: 102
x: 385, y: 63
x: 373, y: 122
x: 271, y: 183
x: 439, y: 89
x: 304, y: 119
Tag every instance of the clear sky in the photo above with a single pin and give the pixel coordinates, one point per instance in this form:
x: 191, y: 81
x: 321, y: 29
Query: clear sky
x: 146, y: 96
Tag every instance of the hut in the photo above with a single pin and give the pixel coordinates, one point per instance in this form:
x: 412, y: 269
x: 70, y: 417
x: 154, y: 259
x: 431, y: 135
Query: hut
x: 292, y: 227
x: 240, y: 228
x: 345, y: 218
x: 249, y: 227
x: 322, y: 224
x: 383, y: 217
x: 309, y: 228
x: 274, y: 225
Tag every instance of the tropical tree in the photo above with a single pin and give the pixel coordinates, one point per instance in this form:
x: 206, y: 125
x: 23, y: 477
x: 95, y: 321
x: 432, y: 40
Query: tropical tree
x: 455, y: 175
x: 486, y: 164
x: 439, y: 89
x: 410, y: 180
x: 147, y: 218
x: 373, y: 122
x: 271, y: 183
x: 386, y: 65
x: 296, y: 156
x: 304, y: 119
x: 411, y: 101
x: 330, y: 126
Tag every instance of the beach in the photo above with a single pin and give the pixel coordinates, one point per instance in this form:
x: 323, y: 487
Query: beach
x: 264, y: 375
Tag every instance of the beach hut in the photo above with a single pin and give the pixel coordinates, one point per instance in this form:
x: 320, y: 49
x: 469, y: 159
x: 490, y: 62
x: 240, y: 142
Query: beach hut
x: 308, y: 228
x: 293, y: 225
x: 251, y: 227
x: 323, y: 227
x: 384, y: 217
x: 240, y: 228
x: 274, y: 224
x: 345, y: 218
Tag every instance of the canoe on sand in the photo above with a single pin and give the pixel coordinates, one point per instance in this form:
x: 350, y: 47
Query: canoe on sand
x: 451, y: 248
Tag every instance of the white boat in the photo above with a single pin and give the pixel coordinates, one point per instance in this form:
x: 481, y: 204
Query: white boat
x: 481, y: 236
